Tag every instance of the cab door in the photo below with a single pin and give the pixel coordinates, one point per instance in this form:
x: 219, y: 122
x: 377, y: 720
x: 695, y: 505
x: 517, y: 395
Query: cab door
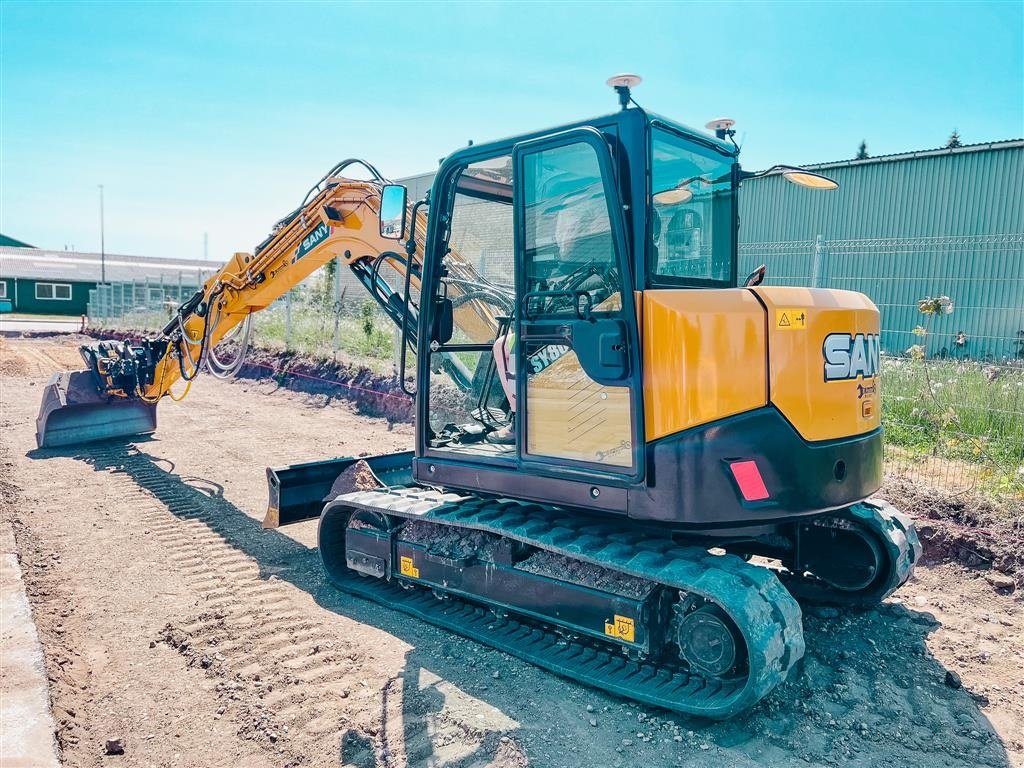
x: 576, y: 331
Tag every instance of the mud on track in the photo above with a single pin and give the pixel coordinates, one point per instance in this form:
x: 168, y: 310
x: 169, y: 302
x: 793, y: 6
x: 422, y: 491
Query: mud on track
x: 171, y: 620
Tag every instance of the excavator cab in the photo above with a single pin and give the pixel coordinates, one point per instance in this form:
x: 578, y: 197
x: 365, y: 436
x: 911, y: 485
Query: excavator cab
x: 567, y: 230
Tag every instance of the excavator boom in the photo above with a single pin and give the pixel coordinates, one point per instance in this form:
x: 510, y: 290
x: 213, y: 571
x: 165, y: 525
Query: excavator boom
x: 117, y: 394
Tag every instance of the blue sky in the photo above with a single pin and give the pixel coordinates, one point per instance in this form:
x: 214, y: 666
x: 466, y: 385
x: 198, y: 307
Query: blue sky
x: 216, y: 117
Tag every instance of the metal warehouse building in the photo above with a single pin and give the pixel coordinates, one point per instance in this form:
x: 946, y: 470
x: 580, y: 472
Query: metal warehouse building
x: 900, y: 227
x: 36, y: 281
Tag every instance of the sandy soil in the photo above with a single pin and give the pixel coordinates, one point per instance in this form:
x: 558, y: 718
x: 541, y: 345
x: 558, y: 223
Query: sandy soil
x: 172, y: 621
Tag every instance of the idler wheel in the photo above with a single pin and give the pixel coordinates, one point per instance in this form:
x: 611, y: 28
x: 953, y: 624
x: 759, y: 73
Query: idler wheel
x: 708, y: 640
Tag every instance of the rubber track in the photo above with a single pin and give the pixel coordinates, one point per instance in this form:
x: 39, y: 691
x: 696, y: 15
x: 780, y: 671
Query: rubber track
x: 766, y: 614
x: 895, y: 532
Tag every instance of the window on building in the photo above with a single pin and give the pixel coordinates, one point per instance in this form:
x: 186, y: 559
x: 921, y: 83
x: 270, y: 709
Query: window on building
x: 3, y: 289
x: 53, y: 291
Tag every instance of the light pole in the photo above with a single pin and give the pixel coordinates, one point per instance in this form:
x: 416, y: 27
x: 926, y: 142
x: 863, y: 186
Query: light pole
x: 103, y: 255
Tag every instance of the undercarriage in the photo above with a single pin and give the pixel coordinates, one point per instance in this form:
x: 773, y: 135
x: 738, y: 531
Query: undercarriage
x: 655, y: 618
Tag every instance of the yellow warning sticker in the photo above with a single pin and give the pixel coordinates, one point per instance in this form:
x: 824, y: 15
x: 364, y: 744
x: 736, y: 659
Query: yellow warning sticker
x: 405, y: 565
x: 791, y: 319
x: 621, y: 627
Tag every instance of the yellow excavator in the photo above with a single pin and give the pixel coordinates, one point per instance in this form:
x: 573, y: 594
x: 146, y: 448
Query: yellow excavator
x: 611, y: 423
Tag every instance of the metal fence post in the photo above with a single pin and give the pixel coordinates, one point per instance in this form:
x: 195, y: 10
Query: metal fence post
x: 288, y: 320
x: 817, y: 263
x: 337, y: 306
x: 396, y: 350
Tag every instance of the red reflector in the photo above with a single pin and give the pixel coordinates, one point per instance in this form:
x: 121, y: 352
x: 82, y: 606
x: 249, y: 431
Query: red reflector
x: 748, y: 478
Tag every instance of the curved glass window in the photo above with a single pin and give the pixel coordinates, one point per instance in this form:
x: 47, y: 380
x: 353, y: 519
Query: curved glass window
x: 693, y: 212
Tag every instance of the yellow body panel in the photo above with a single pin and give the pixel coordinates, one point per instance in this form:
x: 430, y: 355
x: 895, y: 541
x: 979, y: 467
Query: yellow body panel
x: 823, y: 401
x: 703, y: 357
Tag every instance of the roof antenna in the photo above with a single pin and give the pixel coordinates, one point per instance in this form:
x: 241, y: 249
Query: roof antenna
x: 622, y: 83
x: 723, y: 128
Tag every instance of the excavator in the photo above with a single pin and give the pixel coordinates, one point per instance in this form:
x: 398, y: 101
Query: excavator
x: 632, y: 465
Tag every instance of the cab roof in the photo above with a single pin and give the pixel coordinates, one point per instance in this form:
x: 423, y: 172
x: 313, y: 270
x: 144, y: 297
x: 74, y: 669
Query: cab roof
x: 631, y: 119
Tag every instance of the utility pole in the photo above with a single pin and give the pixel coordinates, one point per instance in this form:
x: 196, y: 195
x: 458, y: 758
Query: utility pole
x: 205, y: 246
x: 103, y: 249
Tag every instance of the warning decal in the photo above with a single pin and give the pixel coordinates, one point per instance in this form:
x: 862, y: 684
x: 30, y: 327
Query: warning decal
x: 407, y: 568
x: 622, y: 627
x: 791, y: 319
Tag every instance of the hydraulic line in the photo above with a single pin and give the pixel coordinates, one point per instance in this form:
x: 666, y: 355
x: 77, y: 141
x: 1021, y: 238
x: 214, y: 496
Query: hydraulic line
x: 226, y: 370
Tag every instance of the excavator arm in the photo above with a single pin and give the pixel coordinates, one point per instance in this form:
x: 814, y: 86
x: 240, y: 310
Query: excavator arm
x: 338, y: 219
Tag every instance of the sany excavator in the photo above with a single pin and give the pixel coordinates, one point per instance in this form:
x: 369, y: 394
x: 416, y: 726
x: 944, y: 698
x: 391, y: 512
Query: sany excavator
x: 611, y: 423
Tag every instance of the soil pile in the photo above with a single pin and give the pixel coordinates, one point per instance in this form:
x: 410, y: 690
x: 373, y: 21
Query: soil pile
x: 358, y: 477
x: 372, y: 393
x: 967, y: 528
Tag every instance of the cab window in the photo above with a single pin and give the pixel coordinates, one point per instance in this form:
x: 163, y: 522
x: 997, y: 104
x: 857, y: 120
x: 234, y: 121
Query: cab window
x: 569, y: 247
x: 693, y: 212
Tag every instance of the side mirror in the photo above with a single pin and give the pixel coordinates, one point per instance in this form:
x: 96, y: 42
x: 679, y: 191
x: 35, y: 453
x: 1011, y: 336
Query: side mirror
x: 392, y: 211
x: 443, y: 321
x: 794, y: 175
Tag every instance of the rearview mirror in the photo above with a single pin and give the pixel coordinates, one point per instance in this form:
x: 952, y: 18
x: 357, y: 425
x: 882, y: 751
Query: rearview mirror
x: 803, y: 178
x: 392, y: 211
x: 794, y: 175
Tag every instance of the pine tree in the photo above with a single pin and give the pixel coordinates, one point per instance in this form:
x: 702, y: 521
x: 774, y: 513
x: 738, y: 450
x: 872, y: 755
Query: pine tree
x: 954, y: 140
x: 862, y: 151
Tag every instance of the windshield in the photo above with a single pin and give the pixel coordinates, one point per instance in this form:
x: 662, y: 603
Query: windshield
x: 692, y: 212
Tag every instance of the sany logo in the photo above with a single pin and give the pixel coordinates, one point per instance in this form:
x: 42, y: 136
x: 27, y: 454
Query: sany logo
x: 312, y: 240
x: 847, y: 357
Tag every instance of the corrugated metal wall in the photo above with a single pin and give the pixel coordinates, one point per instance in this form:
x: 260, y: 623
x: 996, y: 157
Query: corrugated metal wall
x: 899, y: 230
x: 979, y: 192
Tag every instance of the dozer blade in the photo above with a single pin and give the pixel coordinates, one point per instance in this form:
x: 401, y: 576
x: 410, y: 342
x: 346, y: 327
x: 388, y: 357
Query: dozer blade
x: 74, y: 412
x: 299, y: 492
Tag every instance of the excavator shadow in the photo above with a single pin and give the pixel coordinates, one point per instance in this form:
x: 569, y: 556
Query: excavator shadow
x: 868, y: 691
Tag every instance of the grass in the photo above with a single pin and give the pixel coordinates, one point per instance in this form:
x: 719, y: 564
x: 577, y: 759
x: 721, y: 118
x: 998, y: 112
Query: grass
x: 365, y: 334
x: 958, y: 412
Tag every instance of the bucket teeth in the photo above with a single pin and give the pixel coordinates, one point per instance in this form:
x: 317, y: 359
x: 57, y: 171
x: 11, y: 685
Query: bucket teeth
x: 74, y: 412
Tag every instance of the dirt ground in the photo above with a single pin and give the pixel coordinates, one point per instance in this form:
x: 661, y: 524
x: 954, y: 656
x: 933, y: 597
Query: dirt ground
x: 170, y: 620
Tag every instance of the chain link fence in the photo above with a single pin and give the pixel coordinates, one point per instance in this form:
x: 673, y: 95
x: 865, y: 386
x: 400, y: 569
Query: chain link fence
x: 952, y: 383
x: 323, y: 316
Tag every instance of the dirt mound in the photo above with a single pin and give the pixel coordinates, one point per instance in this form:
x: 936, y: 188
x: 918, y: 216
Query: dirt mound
x: 358, y: 477
x: 372, y: 393
x: 10, y: 364
x: 966, y: 528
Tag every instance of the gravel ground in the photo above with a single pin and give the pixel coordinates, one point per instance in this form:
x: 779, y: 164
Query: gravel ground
x: 172, y: 622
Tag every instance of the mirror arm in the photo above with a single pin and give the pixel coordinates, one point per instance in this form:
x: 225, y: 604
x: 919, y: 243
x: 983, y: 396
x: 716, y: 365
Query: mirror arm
x: 410, y: 250
x: 744, y: 175
x: 410, y: 244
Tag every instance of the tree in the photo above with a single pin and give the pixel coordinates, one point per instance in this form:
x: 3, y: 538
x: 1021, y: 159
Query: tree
x: 954, y: 140
x: 862, y: 151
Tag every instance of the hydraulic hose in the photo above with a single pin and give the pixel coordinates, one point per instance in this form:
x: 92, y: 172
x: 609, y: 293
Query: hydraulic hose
x: 226, y: 370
